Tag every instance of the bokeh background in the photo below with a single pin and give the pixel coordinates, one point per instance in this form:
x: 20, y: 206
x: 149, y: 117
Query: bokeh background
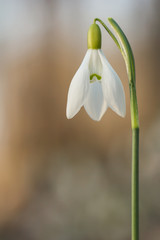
x: 70, y: 179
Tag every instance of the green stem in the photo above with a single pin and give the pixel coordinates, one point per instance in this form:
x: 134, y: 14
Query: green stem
x: 135, y: 184
x: 109, y: 31
x: 127, y: 54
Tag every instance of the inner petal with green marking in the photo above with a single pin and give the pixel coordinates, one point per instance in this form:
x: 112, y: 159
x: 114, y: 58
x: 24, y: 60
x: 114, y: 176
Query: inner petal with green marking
x: 94, y: 76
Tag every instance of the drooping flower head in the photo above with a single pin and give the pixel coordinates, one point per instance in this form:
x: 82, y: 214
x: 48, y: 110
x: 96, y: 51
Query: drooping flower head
x: 96, y: 86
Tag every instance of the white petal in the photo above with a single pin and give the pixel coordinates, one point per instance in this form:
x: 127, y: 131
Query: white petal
x: 78, y: 88
x: 95, y: 104
x: 95, y: 65
x: 112, y: 88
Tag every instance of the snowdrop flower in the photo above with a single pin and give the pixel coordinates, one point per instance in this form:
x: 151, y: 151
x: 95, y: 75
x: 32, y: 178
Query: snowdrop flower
x: 96, y: 86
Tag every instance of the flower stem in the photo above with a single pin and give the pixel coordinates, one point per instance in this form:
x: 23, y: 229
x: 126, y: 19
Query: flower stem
x: 135, y: 184
x: 127, y: 54
x: 109, y: 31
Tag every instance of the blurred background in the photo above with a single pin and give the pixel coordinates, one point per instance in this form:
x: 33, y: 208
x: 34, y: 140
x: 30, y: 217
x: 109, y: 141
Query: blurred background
x: 70, y: 179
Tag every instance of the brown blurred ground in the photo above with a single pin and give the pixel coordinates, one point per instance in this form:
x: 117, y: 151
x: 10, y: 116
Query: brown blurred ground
x: 70, y: 179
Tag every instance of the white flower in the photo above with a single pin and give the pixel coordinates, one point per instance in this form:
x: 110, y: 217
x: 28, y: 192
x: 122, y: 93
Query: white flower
x: 96, y: 86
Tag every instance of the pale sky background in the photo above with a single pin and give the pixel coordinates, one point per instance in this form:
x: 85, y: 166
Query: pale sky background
x: 22, y: 23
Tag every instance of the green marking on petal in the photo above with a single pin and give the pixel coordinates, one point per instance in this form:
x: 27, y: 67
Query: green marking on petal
x: 95, y: 75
